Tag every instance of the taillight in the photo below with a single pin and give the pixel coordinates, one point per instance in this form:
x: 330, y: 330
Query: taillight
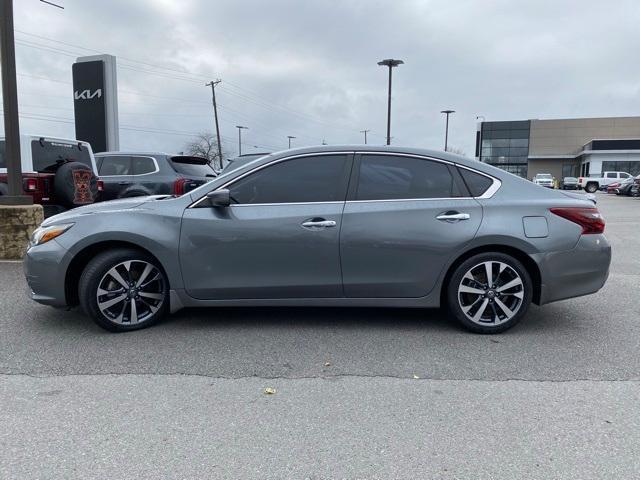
x: 100, y: 184
x: 31, y: 184
x: 588, y: 218
x: 178, y: 186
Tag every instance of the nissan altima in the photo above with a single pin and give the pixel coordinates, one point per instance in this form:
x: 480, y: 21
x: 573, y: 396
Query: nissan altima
x: 328, y: 226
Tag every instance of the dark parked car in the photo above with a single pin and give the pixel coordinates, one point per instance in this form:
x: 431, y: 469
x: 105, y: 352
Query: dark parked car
x: 128, y: 174
x: 629, y: 188
x: 570, y: 183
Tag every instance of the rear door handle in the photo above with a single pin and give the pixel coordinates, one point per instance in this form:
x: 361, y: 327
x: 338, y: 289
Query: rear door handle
x: 453, y: 217
x: 319, y: 223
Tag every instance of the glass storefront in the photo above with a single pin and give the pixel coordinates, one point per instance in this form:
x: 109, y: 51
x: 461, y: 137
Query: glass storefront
x: 506, y: 145
x: 632, y: 167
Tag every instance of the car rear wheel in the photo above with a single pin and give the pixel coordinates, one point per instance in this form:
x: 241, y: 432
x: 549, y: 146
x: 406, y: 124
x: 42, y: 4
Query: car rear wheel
x: 591, y: 187
x: 489, y: 292
x: 124, y: 290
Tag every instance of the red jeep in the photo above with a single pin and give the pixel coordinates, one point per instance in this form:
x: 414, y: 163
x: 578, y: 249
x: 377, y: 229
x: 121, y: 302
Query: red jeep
x: 58, y: 173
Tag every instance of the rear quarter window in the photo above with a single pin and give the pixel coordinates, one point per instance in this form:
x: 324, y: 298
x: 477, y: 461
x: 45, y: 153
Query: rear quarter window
x: 192, y: 166
x: 476, y: 183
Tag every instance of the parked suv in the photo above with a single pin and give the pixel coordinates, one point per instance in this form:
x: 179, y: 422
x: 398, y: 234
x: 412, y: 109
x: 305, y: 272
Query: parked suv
x: 135, y: 174
x: 544, y: 180
x: 59, y: 173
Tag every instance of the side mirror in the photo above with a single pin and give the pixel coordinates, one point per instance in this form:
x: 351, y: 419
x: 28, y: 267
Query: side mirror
x: 219, y: 198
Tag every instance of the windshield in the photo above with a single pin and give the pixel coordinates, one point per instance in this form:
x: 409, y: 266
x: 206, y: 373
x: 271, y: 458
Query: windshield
x: 192, y: 166
x: 544, y: 176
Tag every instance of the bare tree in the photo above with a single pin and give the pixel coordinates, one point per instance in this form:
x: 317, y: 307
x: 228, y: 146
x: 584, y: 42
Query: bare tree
x: 456, y: 150
x: 205, y: 145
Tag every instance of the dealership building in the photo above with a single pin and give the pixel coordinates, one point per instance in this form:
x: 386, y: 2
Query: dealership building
x: 563, y: 148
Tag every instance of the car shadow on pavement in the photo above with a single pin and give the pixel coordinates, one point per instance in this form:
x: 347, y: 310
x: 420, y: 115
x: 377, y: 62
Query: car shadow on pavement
x: 436, y: 320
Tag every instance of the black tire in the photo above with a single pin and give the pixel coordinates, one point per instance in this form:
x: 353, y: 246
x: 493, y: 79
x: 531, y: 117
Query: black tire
x: 75, y: 184
x: 96, y: 273
x: 591, y: 187
x: 455, y: 298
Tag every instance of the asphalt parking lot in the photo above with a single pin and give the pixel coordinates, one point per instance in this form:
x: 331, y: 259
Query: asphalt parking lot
x: 360, y: 393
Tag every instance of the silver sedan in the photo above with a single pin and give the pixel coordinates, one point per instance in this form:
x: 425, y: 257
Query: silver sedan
x: 328, y: 226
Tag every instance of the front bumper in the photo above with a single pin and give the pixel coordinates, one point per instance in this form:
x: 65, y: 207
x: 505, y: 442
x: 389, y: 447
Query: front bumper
x: 45, y: 267
x: 573, y: 273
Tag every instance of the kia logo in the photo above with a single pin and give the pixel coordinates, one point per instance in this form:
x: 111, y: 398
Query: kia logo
x: 87, y: 94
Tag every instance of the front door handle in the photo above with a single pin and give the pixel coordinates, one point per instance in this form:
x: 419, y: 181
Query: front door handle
x: 453, y: 216
x: 319, y: 223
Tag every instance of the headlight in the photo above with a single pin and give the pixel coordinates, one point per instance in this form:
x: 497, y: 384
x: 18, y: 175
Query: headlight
x: 44, y: 234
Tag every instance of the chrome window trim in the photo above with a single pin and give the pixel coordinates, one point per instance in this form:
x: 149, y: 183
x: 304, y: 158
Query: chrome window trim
x: 413, y: 155
x: 273, y: 162
x: 421, y: 199
x: 495, y: 186
x: 130, y: 174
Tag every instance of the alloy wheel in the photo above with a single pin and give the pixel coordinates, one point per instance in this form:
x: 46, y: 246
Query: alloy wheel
x: 131, y: 292
x: 490, y: 293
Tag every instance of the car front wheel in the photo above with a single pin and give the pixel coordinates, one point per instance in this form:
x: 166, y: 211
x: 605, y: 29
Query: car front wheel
x: 489, y: 292
x: 124, y: 290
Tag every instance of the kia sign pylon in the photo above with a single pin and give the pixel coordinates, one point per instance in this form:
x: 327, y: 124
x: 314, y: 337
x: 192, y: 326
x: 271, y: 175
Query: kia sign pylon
x: 95, y: 102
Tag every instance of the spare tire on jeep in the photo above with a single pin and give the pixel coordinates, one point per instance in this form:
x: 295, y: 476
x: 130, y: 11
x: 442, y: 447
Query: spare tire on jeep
x: 75, y: 184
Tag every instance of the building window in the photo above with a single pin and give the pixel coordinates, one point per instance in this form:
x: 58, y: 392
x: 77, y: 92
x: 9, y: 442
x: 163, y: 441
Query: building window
x: 632, y: 167
x: 506, y: 145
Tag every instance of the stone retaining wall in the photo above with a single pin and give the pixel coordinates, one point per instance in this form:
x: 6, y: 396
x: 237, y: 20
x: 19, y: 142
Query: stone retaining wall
x: 17, y: 223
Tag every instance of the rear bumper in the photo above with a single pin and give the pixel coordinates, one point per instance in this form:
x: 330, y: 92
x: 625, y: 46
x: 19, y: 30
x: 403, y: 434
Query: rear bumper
x: 44, y: 268
x: 573, y: 273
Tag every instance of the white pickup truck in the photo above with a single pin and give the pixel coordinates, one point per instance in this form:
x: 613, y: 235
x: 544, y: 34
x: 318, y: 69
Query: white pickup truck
x: 597, y: 181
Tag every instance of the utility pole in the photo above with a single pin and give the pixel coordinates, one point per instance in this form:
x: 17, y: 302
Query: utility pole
x: 389, y: 62
x: 10, y: 108
x: 213, y: 84
x: 365, y: 135
x: 290, y: 137
x: 240, y: 128
x: 446, y: 131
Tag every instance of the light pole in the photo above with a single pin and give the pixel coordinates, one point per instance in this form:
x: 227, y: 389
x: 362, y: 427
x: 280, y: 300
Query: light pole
x: 446, y: 130
x: 389, y: 62
x: 290, y: 137
x: 213, y: 84
x: 240, y: 128
x: 365, y: 135
x: 15, y: 192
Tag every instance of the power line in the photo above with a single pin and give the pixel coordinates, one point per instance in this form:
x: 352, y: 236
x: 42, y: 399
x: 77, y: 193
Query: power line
x: 248, y: 95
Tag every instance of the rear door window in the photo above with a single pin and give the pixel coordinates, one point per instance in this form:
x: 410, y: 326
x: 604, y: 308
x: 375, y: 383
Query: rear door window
x: 49, y: 155
x: 142, y: 165
x: 389, y: 177
x: 192, y: 166
x: 115, y: 165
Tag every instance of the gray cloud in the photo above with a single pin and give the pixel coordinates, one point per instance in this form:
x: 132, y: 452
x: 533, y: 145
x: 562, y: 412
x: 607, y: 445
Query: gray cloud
x: 309, y: 68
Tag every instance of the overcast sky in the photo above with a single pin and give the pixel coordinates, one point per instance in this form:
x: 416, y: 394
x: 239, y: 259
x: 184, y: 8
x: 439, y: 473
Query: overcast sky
x: 308, y: 68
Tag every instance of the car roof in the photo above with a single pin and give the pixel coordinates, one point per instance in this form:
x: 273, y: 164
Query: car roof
x: 130, y: 152
x: 437, y: 154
